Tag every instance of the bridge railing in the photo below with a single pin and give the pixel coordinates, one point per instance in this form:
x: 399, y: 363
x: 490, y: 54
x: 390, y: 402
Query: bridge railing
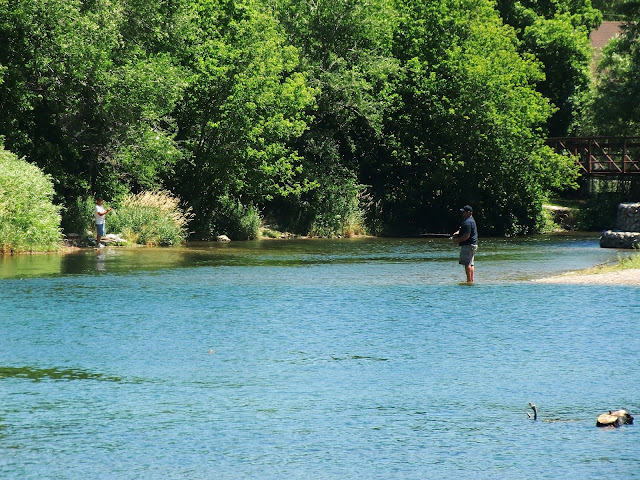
x: 601, y: 155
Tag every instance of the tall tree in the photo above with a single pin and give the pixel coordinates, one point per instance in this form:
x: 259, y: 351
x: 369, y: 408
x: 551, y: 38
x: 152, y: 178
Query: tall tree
x: 556, y: 32
x: 465, y: 125
x: 614, y: 108
x: 243, y: 109
x: 345, y: 50
x: 86, y: 97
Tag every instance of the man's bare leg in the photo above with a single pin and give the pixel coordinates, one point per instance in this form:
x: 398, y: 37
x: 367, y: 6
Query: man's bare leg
x: 469, y: 271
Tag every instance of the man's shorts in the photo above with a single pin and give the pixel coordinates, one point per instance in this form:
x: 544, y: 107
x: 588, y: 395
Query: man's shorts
x: 100, y: 228
x: 467, y: 253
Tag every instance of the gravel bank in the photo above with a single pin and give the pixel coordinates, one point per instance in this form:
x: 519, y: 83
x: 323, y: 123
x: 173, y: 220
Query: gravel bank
x: 621, y: 277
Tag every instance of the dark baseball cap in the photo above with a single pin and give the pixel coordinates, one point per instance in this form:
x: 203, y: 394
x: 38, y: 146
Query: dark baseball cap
x: 466, y: 208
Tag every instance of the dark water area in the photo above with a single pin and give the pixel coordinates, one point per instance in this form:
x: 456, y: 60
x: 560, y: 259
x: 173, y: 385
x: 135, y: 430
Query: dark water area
x: 316, y: 359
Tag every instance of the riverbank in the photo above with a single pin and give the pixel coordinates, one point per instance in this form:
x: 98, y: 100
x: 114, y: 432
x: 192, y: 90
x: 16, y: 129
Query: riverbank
x: 625, y: 272
x: 630, y: 276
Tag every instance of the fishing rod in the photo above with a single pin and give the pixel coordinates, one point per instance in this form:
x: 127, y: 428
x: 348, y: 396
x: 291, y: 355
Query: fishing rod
x: 436, y: 235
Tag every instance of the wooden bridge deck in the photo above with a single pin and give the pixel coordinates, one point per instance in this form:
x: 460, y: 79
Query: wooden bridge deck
x: 601, y: 155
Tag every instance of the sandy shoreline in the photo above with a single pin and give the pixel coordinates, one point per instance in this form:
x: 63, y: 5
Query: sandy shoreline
x: 630, y: 276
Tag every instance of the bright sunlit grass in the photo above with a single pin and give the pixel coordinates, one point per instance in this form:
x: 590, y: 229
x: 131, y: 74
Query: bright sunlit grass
x: 151, y: 218
x: 623, y: 263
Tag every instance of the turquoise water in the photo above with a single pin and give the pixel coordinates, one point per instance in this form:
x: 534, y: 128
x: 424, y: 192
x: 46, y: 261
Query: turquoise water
x: 361, y: 359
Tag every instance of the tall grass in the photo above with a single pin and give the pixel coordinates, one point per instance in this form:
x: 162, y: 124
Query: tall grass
x: 631, y: 261
x: 29, y: 221
x: 150, y: 218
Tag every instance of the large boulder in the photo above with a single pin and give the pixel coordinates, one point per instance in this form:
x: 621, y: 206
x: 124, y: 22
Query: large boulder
x: 627, y: 232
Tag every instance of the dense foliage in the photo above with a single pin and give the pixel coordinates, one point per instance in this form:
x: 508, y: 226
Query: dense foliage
x: 613, y: 108
x: 319, y: 117
x: 28, y: 219
x: 479, y: 123
x: 556, y: 32
x: 609, y: 7
x: 242, y: 110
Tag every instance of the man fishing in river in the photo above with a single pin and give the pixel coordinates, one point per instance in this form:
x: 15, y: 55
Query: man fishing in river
x: 467, y: 237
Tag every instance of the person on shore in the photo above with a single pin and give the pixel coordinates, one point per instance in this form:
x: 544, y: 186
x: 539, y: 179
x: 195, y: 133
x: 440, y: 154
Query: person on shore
x: 467, y: 238
x: 100, y: 212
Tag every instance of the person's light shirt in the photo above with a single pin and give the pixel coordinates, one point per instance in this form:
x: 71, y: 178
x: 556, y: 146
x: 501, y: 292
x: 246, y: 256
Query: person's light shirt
x: 97, y: 211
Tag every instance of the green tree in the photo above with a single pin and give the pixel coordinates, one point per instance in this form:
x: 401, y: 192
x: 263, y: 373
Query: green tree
x: 556, y: 32
x: 565, y: 53
x: 613, y: 108
x: 466, y: 124
x: 243, y: 109
x: 345, y: 49
x: 86, y: 97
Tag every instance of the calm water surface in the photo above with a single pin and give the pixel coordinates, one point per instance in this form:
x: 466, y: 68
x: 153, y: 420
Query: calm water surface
x: 361, y: 359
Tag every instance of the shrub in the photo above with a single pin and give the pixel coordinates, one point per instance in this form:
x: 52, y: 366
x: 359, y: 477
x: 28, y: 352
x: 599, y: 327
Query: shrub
x: 29, y: 221
x: 600, y: 210
x: 78, y: 217
x: 268, y: 233
x: 548, y: 222
x: 236, y: 220
x: 341, y: 211
x: 151, y: 218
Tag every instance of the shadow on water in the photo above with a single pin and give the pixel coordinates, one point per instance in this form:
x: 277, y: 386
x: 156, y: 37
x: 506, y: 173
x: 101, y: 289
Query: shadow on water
x: 38, y: 374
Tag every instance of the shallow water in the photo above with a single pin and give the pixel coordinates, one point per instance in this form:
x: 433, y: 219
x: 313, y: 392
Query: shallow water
x: 316, y: 360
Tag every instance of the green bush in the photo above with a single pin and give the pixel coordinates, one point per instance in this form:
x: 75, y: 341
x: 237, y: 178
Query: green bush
x: 601, y: 208
x: 340, y: 211
x: 29, y: 221
x: 150, y: 218
x: 235, y: 220
x: 600, y: 211
x: 78, y: 217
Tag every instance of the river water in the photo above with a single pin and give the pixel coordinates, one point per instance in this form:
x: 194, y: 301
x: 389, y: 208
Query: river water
x: 349, y: 359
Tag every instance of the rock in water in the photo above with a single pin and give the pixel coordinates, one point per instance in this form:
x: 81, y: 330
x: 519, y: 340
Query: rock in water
x: 614, y: 419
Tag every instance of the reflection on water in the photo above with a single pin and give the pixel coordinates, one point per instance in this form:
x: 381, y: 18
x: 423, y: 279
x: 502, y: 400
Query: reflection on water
x: 498, y: 259
x: 315, y: 360
x: 30, y: 265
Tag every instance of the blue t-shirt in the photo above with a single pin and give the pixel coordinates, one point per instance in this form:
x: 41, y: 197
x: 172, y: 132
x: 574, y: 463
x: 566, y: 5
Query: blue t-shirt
x: 469, y: 226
